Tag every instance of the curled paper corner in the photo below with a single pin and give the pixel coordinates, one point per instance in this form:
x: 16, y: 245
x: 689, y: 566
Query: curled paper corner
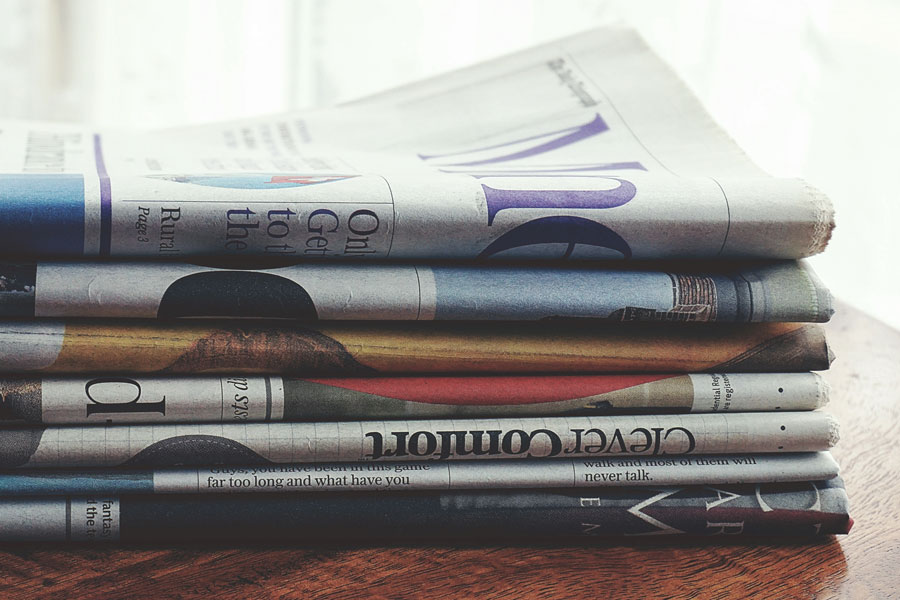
x: 824, y: 308
x: 830, y: 352
x: 826, y: 305
x: 823, y: 391
x: 824, y: 219
x: 834, y: 431
x: 833, y: 463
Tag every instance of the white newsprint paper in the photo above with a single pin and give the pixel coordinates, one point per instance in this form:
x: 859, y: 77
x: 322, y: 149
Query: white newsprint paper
x: 585, y: 148
x: 417, y: 440
x: 431, y: 475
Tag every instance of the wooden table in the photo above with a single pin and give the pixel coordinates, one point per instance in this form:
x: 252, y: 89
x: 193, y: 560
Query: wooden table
x: 866, y: 399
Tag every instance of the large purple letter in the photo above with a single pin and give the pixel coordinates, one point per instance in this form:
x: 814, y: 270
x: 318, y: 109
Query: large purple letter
x: 557, y: 139
x: 498, y: 200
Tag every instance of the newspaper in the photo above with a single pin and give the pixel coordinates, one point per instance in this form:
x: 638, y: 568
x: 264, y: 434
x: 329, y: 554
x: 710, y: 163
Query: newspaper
x: 417, y: 440
x: 360, y: 349
x: 562, y: 151
x: 783, y: 291
x: 392, y: 477
x: 246, y: 398
x: 782, y: 509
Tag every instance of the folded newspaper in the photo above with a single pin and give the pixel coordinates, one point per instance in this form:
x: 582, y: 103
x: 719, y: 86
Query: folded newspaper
x: 366, y: 349
x: 781, y: 291
x: 667, y: 436
x: 563, y: 151
x: 391, y: 477
x: 108, y: 399
x: 803, y: 509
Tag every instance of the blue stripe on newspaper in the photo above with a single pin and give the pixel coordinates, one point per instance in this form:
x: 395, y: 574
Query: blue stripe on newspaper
x: 42, y: 214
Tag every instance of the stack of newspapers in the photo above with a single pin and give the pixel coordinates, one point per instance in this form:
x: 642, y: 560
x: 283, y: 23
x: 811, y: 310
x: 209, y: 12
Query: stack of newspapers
x: 544, y: 296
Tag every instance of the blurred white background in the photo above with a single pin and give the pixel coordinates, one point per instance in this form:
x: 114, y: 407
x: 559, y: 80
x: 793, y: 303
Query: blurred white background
x: 808, y: 88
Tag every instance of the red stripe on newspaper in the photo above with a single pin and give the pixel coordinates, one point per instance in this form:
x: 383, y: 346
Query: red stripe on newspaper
x: 490, y: 390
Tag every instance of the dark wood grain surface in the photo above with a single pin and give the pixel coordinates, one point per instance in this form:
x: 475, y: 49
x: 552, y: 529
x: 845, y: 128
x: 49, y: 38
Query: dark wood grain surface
x: 865, y: 564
